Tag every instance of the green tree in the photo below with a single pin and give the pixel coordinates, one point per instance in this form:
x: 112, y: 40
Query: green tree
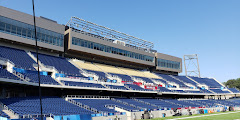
x: 233, y: 83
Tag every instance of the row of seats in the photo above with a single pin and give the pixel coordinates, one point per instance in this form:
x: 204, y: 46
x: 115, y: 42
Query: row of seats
x: 58, y: 106
x: 207, y: 81
x: 101, y: 104
x: 5, y: 74
x: 234, y: 90
x: 64, y: 66
x: 44, y: 79
x: 61, y: 64
x: 19, y: 57
x: 51, y: 105
x: 219, y: 91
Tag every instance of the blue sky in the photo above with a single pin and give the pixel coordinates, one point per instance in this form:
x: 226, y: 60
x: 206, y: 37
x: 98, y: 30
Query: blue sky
x: 209, y: 28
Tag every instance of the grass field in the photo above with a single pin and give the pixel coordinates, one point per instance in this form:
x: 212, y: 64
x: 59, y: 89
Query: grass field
x: 233, y: 115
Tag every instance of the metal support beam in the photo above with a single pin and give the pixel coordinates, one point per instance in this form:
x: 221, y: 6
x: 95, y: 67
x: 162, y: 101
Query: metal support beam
x: 191, y: 65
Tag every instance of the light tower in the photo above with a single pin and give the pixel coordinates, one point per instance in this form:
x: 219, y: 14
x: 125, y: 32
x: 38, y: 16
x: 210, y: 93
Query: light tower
x: 191, y: 65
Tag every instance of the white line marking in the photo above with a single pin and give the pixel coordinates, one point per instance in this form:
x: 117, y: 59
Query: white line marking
x: 203, y: 115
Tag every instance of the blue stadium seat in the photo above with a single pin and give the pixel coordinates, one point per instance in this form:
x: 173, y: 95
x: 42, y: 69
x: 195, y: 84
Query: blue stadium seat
x: 101, y: 75
x: 136, y: 87
x: 209, y: 82
x: 82, y: 84
x: 234, y: 90
x: 147, y: 80
x: 185, y: 79
x: 100, y: 104
x: 53, y: 105
x: 61, y: 64
x: 19, y: 57
x: 168, y: 78
x: 43, y: 78
x: 137, y: 103
x: 5, y: 74
x: 219, y: 91
x: 117, y: 87
x: 123, y: 77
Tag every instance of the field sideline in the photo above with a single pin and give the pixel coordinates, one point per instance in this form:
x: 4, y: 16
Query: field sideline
x: 230, y: 115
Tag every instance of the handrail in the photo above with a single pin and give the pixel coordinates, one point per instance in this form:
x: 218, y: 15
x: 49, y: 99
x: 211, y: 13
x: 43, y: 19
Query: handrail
x: 36, y: 115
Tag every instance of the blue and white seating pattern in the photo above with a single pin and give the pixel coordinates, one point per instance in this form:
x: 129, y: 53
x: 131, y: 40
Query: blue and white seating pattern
x: 116, y: 87
x: 44, y: 79
x: 51, y: 105
x: 82, y: 84
x: 100, y: 104
x: 5, y: 74
x: 26, y: 62
x: 61, y: 64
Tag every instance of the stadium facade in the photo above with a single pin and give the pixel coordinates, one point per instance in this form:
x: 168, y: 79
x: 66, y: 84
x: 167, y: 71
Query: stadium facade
x: 87, y: 64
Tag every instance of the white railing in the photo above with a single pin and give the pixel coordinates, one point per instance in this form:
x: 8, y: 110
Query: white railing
x: 86, y: 97
x: 36, y: 115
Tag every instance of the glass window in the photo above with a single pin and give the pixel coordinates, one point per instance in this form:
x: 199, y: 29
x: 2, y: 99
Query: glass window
x: 26, y: 30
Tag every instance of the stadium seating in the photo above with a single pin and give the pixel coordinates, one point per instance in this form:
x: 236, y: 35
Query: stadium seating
x: 205, y: 91
x: 43, y: 78
x: 19, y: 57
x: 160, y: 103
x: 147, y: 80
x: 100, y: 104
x: 163, y: 89
x: 162, y: 81
x: 185, y: 79
x: 86, y: 65
x: 188, y: 91
x: 219, y: 91
x: 30, y: 105
x: 234, y: 90
x: 82, y: 84
x: 183, y: 103
x: 123, y: 77
x: 61, y: 64
x: 209, y: 82
x: 116, y: 87
x: 137, y: 103
x: 101, y: 75
x: 168, y: 78
x: 136, y: 87
x: 5, y: 74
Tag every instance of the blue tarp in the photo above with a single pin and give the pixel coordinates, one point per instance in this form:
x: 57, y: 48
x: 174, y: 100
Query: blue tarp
x: 29, y: 71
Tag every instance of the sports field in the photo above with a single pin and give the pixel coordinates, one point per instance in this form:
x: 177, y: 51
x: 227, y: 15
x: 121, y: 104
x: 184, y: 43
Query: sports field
x: 233, y: 115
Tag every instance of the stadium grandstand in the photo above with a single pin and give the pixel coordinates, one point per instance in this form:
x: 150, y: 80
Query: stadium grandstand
x: 91, y: 72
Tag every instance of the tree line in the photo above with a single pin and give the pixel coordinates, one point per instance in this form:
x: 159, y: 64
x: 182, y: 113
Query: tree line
x: 233, y: 83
